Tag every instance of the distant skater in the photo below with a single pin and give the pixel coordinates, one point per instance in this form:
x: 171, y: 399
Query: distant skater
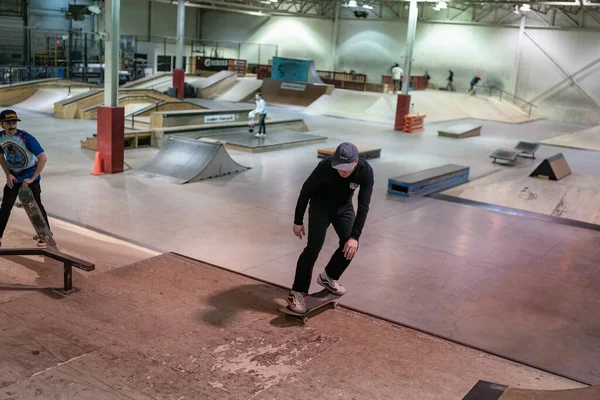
x: 261, y: 110
x: 450, y: 86
x: 474, y: 82
x: 22, y: 159
x: 330, y: 188
x: 397, y: 76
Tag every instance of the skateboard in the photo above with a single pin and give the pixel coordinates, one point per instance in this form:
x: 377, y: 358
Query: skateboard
x: 314, y: 301
x: 32, y: 210
x: 251, y: 123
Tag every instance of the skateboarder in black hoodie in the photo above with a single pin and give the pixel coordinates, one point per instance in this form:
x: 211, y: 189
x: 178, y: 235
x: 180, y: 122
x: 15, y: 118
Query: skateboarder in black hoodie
x: 330, y: 188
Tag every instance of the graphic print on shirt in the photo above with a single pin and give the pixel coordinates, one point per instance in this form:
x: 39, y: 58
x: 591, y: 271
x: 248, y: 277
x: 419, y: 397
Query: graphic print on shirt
x: 16, y: 157
x: 354, y: 186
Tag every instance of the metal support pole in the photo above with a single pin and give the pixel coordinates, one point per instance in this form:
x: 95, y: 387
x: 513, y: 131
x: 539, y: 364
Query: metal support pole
x: 180, y: 33
x: 410, y: 41
x: 518, y: 54
x: 334, y: 38
x: 111, y: 64
x: 68, y: 276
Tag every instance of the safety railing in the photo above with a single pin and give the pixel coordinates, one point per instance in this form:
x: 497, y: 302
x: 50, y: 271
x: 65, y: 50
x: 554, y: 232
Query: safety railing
x: 524, y: 104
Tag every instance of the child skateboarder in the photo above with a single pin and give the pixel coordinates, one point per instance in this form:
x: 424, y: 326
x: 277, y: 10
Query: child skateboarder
x: 261, y: 110
x: 22, y: 159
x: 330, y: 188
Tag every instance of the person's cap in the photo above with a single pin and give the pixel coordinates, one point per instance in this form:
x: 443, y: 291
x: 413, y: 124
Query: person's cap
x: 345, y: 156
x: 8, y: 115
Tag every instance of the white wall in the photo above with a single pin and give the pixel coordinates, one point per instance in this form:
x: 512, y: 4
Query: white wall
x: 572, y: 50
x: 295, y: 37
x: 371, y: 47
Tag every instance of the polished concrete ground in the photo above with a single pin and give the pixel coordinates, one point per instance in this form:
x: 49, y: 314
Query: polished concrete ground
x: 521, y: 288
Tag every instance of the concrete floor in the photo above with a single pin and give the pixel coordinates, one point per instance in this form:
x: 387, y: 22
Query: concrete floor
x: 509, y: 285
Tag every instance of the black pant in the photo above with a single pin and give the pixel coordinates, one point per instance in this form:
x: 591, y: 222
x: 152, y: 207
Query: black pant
x: 9, y: 198
x: 262, y: 128
x: 319, y: 218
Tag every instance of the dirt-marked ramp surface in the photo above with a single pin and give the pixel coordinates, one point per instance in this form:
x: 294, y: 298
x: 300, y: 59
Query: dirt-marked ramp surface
x: 183, y: 160
x: 590, y: 393
x: 169, y: 327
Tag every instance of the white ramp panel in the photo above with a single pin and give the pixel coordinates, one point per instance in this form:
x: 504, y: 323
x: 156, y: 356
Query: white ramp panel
x: 183, y: 160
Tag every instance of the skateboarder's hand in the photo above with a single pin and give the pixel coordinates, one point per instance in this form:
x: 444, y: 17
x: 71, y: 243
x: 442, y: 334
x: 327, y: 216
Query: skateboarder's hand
x: 299, y: 230
x: 10, y: 179
x: 27, y: 182
x: 350, y: 248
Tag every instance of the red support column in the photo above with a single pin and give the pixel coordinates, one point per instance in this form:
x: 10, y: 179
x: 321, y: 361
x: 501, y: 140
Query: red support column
x: 178, y: 81
x: 402, y: 109
x: 111, y: 138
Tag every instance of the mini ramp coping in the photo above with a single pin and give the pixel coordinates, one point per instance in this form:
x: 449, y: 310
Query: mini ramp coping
x: 183, y: 160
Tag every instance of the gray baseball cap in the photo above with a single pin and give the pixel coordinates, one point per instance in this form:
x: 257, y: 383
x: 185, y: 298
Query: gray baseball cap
x: 345, y: 156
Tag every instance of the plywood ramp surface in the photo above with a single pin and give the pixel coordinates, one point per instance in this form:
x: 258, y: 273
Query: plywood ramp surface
x: 589, y: 393
x: 169, y: 327
x: 586, y: 139
x: 437, y: 105
x: 574, y: 197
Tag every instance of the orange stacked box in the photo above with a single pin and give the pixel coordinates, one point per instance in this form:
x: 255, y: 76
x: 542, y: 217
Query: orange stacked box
x: 413, y: 123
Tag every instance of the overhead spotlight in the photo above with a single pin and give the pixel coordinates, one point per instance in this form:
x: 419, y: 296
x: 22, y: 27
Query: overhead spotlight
x: 525, y: 7
x: 368, y: 7
x: 442, y: 5
x: 352, y: 3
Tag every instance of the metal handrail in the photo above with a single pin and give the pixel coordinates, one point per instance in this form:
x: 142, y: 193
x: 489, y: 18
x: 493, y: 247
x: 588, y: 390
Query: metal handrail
x: 492, y: 88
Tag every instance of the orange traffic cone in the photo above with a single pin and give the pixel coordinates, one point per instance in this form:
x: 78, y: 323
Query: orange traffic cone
x: 98, y: 165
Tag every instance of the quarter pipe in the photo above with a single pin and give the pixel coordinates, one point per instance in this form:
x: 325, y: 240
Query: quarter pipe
x: 183, y: 160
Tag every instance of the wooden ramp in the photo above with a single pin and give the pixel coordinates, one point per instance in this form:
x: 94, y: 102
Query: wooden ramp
x: 461, y: 131
x: 170, y: 327
x: 493, y: 391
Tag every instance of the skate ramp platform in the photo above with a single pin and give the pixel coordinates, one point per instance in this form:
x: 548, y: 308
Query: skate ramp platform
x: 573, y: 200
x: 461, y: 131
x: 43, y: 99
x: 11, y: 95
x: 214, y: 85
x: 484, y: 390
x: 294, y: 93
x: 587, y: 139
x: 243, y: 90
x: 169, y: 119
x: 183, y: 160
x: 224, y: 128
x: 174, y: 327
x: 437, y: 105
x: 274, y: 140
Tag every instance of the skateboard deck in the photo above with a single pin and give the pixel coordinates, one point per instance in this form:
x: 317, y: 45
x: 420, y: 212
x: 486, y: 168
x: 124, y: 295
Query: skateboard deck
x: 251, y: 124
x: 314, y: 301
x: 32, y: 210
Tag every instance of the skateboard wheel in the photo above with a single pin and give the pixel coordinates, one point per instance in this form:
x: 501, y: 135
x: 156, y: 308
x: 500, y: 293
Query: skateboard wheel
x: 335, y: 305
x: 304, y: 320
x: 30, y: 205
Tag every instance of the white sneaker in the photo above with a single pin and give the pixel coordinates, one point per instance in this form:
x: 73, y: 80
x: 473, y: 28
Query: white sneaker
x: 296, y: 302
x: 258, y: 135
x: 332, y: 285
